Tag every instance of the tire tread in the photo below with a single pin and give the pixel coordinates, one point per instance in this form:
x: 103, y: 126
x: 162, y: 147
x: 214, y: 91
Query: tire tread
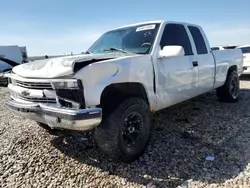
x: 106, y: 134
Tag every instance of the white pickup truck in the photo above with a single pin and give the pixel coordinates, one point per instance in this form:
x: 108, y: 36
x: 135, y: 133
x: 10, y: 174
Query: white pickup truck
x: 127, y: 75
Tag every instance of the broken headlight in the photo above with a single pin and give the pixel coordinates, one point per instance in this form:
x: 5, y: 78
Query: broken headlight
x: 70, y: 93
x: 69, y: 84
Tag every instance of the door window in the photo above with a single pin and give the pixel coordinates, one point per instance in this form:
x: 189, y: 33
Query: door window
x: 176, y: 34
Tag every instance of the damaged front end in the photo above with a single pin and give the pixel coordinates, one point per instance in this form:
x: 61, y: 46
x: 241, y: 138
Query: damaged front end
x: 59, y: 103
x: 45, y: 91
x: 70, y: 94
x: 59, y: 67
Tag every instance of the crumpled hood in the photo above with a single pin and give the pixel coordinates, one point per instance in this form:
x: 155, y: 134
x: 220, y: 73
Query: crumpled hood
x: 62, y: 66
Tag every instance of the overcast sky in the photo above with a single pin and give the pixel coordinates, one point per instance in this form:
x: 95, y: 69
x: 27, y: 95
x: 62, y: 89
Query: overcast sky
x: 57, y: 27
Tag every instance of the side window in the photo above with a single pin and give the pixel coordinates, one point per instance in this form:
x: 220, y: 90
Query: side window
x: 198, y: 40
x: 175, y: 34
x: 245, y: 50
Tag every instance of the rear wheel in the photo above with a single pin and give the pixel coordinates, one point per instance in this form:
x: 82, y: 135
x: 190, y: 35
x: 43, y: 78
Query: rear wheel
x: 125, y: 133
x: 229, y: 92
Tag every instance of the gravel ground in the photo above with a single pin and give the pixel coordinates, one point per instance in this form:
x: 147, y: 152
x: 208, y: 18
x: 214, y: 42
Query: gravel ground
x: 184, y: 136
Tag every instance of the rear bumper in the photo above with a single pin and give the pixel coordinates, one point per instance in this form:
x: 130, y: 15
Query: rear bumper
x: 56, y: 117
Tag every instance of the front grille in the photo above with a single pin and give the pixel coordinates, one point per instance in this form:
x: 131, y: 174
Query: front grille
x: 71, y: 98
x: 34, y: 85
x: 38, y: 100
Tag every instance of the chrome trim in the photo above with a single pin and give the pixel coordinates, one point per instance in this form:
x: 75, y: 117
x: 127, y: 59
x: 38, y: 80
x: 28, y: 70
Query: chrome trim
x: 57, y: 117
x: 37, y: 80
x: 33, y: 85
x: 32, y: 95
x: 38, y: 100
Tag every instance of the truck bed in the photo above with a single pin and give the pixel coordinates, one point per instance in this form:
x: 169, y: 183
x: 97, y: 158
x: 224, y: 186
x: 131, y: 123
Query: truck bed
x: 224, y: 59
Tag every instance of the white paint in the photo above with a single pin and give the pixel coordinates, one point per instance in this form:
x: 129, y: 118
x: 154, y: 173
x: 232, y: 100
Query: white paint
x: 32, y: 92
x: 171, y: 51
x: 177, y: 80
x: 140, y: 23
x: 55, y: 67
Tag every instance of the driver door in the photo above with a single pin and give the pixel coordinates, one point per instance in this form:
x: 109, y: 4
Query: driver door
x: 177, y: 76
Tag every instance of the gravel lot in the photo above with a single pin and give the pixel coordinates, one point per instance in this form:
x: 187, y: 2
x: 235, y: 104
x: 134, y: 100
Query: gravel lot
x: 30, y: 157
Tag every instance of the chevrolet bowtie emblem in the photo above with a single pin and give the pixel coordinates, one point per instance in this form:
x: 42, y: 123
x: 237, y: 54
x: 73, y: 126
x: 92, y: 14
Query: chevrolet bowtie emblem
x: 25, y: 93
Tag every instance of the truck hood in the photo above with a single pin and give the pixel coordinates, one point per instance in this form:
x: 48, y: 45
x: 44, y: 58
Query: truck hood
x: 62, y: 66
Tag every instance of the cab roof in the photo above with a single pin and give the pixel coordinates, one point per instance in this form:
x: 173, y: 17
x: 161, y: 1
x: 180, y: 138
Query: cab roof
x: 242, y: 46
x: 154, y: 21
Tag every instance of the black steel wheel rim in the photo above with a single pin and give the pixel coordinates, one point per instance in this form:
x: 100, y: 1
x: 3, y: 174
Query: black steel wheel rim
x: 132, y: 129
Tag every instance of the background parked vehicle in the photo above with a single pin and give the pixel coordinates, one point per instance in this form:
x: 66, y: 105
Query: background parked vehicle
x: 223, y: 47
x: 24, y: 54
x: 246, y: 58
x: 10, y: 56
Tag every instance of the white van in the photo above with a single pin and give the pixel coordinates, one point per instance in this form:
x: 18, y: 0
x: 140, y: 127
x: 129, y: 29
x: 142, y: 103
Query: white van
x: 10, y: 56
x: 24, y: 53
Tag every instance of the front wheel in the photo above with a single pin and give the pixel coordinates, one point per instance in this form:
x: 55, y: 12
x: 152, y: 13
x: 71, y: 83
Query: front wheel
x: 125, y: 133
x: 229, y: 92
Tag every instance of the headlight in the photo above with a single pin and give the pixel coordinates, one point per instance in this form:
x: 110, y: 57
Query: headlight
x: 70, y: 93
x: 69, y: 84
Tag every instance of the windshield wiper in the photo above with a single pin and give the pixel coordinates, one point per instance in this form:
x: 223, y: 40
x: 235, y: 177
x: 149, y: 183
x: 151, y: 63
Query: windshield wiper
x: 88, y: 52
x: 117, y: 49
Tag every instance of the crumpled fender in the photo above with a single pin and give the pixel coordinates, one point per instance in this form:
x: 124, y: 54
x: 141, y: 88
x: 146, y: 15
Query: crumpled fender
x: 96, y: 77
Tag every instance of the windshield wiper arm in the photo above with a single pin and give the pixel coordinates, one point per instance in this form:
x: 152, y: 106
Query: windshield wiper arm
x: 117, y: 49
x: 88, y: 52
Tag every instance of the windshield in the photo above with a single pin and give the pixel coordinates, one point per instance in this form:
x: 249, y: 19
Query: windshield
x: 245, y: 50
x: 136, y: 39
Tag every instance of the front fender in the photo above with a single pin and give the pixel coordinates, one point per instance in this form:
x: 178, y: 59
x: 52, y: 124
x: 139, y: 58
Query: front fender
x: 95, y: 78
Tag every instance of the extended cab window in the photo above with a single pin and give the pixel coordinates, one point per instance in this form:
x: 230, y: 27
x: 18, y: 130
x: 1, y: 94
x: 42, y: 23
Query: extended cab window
x: 198, y: 40
x: 175, y: 34
x: 245, y: 50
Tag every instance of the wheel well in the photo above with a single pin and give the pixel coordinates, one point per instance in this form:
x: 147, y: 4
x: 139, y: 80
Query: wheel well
x: 114, y: 94
x: 232, y: 68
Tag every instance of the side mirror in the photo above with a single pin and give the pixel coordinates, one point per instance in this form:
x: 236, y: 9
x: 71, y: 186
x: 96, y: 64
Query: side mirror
x: 171, y: 51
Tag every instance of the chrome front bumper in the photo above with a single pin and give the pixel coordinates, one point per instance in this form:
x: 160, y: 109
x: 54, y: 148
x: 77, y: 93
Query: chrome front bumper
x: 59, y: 118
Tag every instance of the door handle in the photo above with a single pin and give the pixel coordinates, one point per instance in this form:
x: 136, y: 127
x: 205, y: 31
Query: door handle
x: 195, y: 63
